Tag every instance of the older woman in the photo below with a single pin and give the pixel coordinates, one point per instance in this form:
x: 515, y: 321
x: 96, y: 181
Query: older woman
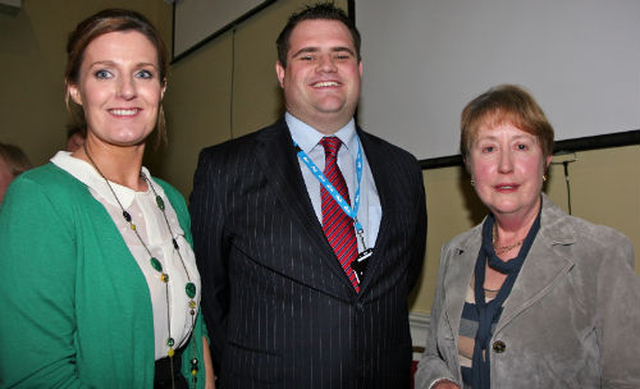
x: 100, y: 287
x: 532, y: 297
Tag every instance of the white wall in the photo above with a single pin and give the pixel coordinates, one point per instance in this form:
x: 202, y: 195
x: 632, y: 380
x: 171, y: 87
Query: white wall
x: 425, y: 59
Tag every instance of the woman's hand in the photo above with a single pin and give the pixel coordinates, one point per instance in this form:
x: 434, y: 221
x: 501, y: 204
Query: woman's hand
x: 445, y: 384
x: 210, y: 379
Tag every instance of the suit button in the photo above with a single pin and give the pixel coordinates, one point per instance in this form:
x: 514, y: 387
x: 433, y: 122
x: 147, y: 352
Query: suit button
x: 499, y: 346
x: 360, y: 307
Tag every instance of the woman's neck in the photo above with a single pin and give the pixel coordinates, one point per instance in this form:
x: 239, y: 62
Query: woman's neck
x: 510, y: 229
x: 121, y: 165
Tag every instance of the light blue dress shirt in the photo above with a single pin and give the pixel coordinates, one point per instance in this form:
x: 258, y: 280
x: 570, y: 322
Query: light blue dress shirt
x: 308, y: 139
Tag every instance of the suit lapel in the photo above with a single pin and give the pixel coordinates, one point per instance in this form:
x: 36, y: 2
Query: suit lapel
x: 276, y: 154
x: 380, y: 174
x: 379, y: 170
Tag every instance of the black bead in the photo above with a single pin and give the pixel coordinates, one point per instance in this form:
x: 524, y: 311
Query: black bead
x: 127, y: 217
x: 175, y: 243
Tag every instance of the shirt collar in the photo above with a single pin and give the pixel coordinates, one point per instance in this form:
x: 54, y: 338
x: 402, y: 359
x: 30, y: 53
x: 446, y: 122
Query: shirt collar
x: 88, y: 175
x: 308, y: 137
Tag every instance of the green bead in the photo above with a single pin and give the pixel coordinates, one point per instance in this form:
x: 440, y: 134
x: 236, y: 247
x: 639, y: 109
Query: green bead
x: 190, y: 289
x: 170, y: 342
x: 156, y: 264
x: 160, y: 202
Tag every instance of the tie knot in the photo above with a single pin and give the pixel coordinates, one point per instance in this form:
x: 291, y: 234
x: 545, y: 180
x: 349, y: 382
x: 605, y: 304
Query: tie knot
x: 331, y: 145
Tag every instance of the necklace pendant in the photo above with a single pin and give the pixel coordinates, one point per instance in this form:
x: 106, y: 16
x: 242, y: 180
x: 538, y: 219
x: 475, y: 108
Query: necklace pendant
x: 156, y: 264
x: 160, y: 202
x: 190, y: 289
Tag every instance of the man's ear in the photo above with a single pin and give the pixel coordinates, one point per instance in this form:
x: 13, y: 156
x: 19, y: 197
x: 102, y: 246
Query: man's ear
x: 280, y: 72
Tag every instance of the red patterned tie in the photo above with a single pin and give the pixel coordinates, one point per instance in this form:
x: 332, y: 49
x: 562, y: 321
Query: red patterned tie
x: 337, y: 225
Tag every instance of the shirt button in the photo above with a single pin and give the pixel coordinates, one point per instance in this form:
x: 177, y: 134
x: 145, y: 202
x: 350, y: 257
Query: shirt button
x: 499, y: 346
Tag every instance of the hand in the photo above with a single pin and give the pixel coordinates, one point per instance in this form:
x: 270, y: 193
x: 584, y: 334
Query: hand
x: 210, y: 380
x: 445, y: 384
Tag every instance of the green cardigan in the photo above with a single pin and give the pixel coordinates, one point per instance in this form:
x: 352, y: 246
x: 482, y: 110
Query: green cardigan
x: 76, y: 309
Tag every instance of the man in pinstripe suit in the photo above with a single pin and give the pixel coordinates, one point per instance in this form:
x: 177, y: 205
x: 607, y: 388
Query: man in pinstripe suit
x: 283, y: 308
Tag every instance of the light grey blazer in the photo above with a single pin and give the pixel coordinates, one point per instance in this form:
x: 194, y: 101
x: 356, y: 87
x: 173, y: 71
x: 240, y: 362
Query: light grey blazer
x: 572, y: 319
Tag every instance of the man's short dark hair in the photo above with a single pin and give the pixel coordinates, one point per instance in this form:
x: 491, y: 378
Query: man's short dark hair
x: 320, y: 11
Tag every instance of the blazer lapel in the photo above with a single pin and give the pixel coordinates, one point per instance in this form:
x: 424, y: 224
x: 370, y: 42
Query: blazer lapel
x: 544, y: 267
x: 461, y: 264
x: 545, y: 264
x: 276, y: 154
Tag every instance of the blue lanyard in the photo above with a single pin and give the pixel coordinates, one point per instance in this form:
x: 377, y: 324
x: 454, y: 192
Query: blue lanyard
x: 351, y: 212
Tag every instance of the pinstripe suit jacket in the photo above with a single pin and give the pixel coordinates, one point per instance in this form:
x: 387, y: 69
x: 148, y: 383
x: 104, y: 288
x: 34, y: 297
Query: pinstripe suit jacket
x: 280, y: 310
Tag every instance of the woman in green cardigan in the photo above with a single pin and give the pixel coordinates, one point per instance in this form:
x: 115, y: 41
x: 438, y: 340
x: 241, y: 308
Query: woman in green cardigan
x: 100, y: 287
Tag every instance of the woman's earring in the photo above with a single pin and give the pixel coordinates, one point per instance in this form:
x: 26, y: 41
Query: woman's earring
x: 473, y: 182
x: 544, y: 177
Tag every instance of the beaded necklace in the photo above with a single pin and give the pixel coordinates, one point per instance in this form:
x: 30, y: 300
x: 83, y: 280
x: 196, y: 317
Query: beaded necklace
x: 190, y: 287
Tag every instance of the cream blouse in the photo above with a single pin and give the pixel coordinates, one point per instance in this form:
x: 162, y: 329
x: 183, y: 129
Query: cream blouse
x: 153, y: 230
